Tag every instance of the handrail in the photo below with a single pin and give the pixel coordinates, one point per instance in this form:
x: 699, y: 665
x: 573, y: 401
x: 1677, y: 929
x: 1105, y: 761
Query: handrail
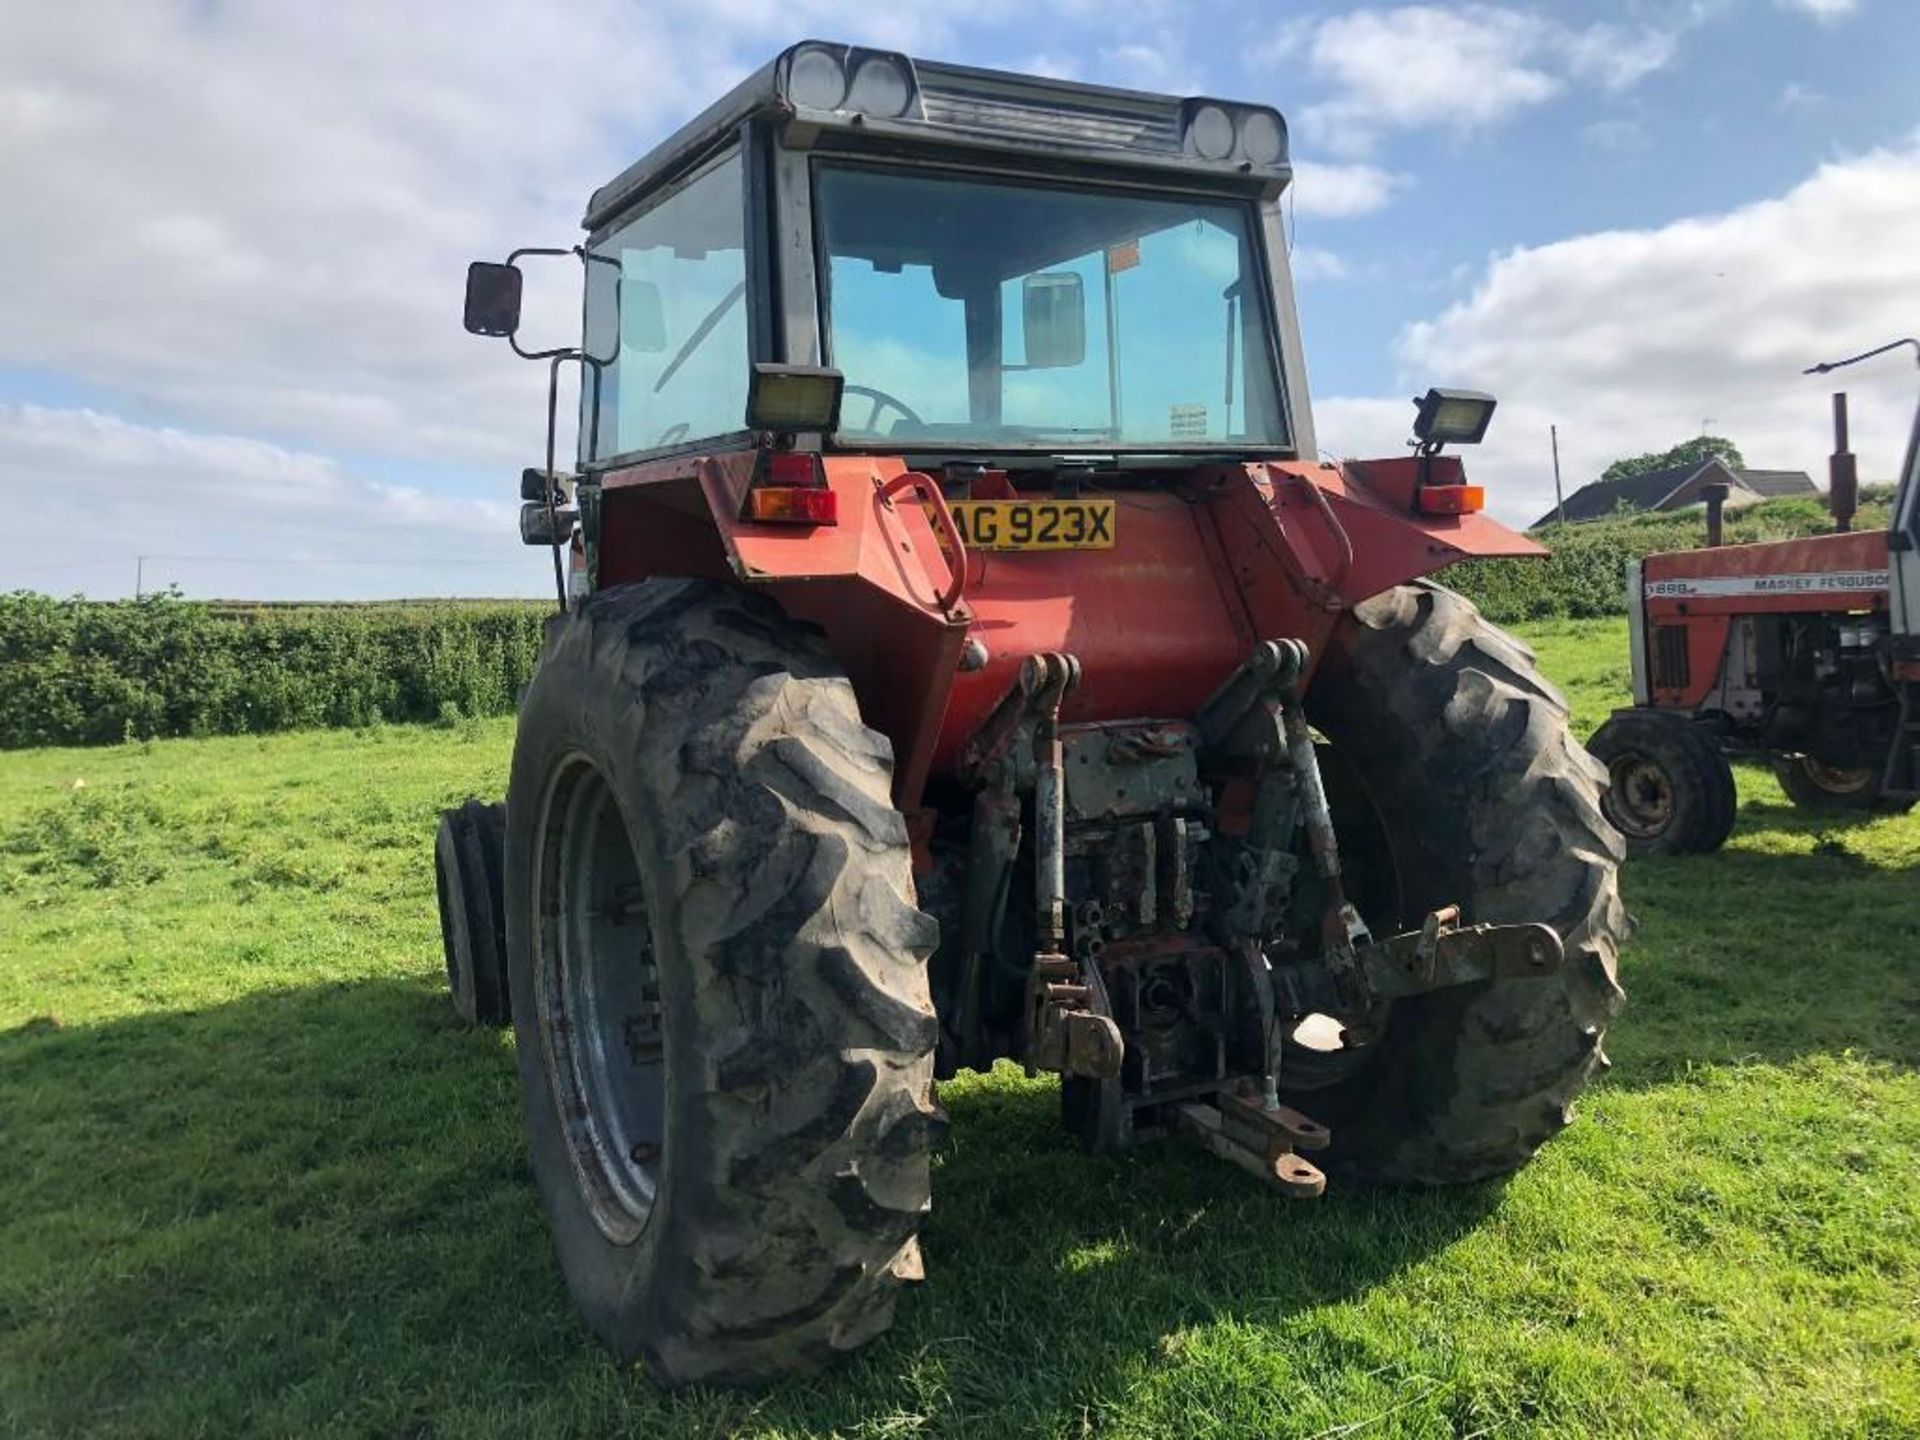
x: 956, y: 557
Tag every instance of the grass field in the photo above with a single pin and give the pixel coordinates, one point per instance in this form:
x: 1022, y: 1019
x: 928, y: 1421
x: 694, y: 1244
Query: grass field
x: 255, y: 1178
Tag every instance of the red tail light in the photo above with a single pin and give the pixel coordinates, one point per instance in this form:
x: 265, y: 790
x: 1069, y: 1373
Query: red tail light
x: 1450, y: 499
x: 789, y: 467
x: 793, y: 505
x: 789, y: 489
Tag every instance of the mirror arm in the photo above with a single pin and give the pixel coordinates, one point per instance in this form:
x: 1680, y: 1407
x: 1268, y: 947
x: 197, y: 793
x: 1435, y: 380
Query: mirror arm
x: 563, y: 350
x: 558, y: 359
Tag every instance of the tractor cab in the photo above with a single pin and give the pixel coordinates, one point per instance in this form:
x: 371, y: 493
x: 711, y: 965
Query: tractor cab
x: 1001, y: 269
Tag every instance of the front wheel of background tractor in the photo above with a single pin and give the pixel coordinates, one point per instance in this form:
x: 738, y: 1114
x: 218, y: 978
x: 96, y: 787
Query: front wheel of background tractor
x: 719, y: 985
x: 1813, y: 786
x: 1669, y: 788
x: 1482, y: 798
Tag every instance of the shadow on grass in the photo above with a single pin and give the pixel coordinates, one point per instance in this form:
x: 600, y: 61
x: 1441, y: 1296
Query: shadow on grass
x: 307, y: 1209
x: 310, y: 1208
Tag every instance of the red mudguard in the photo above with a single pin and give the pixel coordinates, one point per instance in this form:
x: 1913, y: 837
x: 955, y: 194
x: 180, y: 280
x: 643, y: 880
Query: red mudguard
x: 1197, y: 575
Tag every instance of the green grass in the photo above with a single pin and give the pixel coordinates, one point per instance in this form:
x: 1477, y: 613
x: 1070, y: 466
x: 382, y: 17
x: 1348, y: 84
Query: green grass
x: 255, y: 1179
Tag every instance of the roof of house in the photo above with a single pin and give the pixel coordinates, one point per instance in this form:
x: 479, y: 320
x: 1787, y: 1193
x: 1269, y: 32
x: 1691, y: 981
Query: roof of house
x: 1778, y: 482
x: 1646, y: 490
x: 1635, y: 492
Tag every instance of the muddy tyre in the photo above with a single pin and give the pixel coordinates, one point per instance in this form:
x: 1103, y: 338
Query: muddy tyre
x: 1669, y: 788
x: 473, y: 931
x: 719, y: 981
x: 1480, y: 796
x: 1813, y: 786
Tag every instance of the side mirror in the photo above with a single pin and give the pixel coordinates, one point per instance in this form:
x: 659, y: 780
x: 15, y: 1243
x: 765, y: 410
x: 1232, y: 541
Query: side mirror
x: 1053, y: 320
x: 493, y: 298
x: 643, y: 319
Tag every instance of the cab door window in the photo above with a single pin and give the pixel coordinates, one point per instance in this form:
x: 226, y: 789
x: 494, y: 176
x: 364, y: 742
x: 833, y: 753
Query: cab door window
x: 666, y: 300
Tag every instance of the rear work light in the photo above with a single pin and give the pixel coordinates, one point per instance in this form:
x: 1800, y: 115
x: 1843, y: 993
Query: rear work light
x: 793, y: 505
x: 1450, y: 499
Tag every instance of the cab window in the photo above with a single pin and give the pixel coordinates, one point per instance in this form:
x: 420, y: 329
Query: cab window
x: 667, y: 304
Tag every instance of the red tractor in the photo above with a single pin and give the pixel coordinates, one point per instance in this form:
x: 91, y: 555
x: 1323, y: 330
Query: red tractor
x: 968, y: 658
x: 1804, y: 651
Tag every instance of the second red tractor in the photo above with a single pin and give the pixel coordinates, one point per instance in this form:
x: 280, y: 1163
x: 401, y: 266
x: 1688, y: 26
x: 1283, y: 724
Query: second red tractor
x: 1804, y: 653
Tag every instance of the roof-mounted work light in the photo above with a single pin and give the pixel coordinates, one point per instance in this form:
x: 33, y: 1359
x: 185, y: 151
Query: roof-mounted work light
x: 787, y: 399
x: 1254, y: 135
x: 879, y: 83
x: 1452, y: 417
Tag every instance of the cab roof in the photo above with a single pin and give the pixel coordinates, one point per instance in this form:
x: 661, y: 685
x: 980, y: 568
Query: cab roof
x: 828, y: 91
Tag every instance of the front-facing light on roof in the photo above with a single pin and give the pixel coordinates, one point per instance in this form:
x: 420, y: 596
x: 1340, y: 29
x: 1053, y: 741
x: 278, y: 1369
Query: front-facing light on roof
x: 1261, y: 139
x: 816, y: 80
x: 1452, y: 417
x: 1211, y: 132
x: 880, y: 88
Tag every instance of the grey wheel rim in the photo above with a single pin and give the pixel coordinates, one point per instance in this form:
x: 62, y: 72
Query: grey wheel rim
x: 1837, y: 781
x: 1639, y: 799
x: 598, y: 998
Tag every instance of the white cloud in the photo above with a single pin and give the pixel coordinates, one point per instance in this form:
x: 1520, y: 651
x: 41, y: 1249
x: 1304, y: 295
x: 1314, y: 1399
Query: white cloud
x: 258, y: 217
x: 1339, y: 192
x: 1825, y: 11
x: 255, y: 219
x: 1613, y: 56
x: 225, y: 515
x: 1798, y: 99
x: 1619, y: 134
x: 1357, y: 426
x: 1058, y: 67
x: 1157, y: 62
x: 1310, y: 263
x: 1629, y: 340
x: 1459, y: 67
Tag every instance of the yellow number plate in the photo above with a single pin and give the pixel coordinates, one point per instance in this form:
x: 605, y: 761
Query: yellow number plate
x: 1035, y: 524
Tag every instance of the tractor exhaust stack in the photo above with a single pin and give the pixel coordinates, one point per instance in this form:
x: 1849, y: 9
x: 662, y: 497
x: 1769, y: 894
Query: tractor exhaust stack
x: 1843, y: 479
x: 1716, y: 498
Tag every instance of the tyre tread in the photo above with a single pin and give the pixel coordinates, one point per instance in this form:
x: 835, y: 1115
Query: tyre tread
x: 1462, y: 724
x: 815, y: 1036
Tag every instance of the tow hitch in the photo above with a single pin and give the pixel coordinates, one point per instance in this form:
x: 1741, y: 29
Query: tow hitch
x: 1247, y: 1126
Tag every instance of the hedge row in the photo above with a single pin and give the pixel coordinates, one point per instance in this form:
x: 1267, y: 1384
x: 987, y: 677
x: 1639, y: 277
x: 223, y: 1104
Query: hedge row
x: 83, y: 672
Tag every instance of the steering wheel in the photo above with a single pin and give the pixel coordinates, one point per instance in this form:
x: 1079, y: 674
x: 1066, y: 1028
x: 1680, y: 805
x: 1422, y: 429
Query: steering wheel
x: 672, y: 433
x: 882, y: 402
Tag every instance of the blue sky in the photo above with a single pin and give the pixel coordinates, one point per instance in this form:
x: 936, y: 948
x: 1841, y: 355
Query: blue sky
x: 1754, y: 98
x: 235, y: 238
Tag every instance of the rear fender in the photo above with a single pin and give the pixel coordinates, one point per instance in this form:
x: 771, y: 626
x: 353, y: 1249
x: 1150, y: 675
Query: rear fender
x: 1373, y: 501
x: 1304, y: 541
x: 873, y: 581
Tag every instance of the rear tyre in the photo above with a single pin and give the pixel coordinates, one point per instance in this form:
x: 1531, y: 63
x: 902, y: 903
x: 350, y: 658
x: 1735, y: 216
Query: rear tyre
x: 1813, y: 786
x: 1669, y: 788
x: 466, y: 872
x: 1483, y: 798
x: 719, y: 986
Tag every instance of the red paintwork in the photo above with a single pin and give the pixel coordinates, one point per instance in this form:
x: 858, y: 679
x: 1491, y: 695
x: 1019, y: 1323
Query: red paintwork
x: 1861, y: 550
x: 1709, y: 618
x: 1202, y: 569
